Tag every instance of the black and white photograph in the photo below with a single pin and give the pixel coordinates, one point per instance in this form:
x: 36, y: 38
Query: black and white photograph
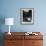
x: 27, y: 15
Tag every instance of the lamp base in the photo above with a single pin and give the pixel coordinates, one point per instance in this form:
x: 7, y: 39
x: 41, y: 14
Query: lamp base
x: 9, y: 33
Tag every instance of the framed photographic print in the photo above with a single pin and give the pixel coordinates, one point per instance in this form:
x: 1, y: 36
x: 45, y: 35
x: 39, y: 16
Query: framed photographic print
x: 27, y: 15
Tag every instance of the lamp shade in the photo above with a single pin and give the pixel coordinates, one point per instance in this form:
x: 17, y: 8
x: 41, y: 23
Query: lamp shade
x: 9, y: 21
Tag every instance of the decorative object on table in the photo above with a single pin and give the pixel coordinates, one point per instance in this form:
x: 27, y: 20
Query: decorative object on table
x: 9, y: 21
x: 27, y: 15
x: 30, y: 33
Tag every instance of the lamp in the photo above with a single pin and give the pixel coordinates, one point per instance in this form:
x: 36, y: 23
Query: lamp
x: 9, y: 21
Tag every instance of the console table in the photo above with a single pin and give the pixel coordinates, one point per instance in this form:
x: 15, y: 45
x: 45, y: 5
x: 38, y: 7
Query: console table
x: 21, y: 39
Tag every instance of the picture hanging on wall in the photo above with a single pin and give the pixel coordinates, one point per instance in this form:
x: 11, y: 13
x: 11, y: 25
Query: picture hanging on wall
x: 27, y: 15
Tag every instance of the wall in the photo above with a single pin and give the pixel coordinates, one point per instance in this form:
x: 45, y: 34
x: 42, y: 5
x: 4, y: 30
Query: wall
x: 11, y: 8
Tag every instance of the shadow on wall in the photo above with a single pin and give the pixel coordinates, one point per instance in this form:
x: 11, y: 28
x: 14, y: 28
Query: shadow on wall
x: 1, y: 39
x: 2, y: 21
